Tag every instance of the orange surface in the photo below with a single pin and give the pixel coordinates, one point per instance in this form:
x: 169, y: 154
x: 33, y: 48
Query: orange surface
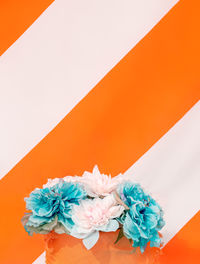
x: 184, y: 248
x: 119, y: 120
x: 63, y: 249
x: 16, y: 16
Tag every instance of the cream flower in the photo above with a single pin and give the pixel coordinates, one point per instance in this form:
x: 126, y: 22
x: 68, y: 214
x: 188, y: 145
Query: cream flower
x: 52, y: 182
x: 72, y: 179
x: 97, y: 184
x: 92, y: 216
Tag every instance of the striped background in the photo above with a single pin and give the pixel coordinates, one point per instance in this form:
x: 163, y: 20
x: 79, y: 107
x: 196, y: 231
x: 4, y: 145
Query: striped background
x: 100, y: 82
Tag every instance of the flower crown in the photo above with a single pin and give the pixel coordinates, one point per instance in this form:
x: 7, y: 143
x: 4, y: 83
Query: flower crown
x: 84, y: 206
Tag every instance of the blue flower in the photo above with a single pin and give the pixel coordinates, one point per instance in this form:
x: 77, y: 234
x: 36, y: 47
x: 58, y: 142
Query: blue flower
x: 53, y: 205
x: 144, y: 218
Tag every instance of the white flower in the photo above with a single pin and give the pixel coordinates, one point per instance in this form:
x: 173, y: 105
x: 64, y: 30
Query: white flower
x: 92, y: 216
x: 97, y: 184
x: 72, y: 179
x: 52, y: 182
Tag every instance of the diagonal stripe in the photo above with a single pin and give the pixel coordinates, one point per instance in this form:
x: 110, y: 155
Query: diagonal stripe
x: 16, y: 17
x: 101, y: 128
x: 59, y: 47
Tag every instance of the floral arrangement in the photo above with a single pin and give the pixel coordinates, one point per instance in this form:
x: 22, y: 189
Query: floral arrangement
x: 84, y: 206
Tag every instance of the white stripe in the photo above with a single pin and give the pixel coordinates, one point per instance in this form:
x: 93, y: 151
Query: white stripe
x: 170, y: 172
x: 41, y: 259
x: 59, y: 59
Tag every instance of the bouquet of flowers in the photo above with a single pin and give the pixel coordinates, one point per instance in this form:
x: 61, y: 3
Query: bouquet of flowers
x: 84, y: 206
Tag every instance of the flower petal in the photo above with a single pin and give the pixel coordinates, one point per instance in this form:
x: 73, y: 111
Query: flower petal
x: 112, y: 226
x: 91, y: 240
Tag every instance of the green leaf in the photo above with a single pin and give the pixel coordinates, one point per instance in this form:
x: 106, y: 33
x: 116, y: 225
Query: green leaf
x: 120, y: 235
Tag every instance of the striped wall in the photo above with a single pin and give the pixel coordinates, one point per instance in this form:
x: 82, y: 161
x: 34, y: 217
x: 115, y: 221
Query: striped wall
x: 107, y: 83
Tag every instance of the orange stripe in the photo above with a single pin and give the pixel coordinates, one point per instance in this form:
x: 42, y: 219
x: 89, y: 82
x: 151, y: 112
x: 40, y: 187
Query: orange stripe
x: 16, y: 17
x: 184, y: 248
x: 120, y: 119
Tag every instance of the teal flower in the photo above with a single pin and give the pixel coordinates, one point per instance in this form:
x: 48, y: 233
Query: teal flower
x: 144, y: 218
x: 51, y: 207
